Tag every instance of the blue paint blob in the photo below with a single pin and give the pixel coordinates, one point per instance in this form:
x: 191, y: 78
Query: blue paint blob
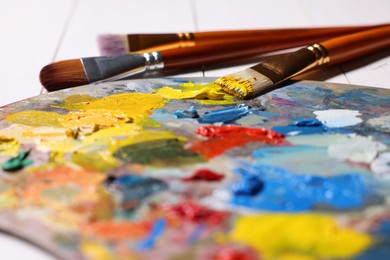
x: 286, y: 191
x: 225, y: 115
x: 309, y: 123
x: 189, y: 113
x: 302, y: 127
x: 157, y: 230
x: 135, y: 187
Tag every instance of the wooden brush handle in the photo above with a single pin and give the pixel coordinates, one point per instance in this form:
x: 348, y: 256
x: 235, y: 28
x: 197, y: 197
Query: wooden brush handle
x: 345, y: 48
x: 287, y: 33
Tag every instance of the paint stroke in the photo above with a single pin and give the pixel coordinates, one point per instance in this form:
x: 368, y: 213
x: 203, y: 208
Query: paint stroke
x: 17, y: 163
x: 157, y: 230
x: 189, y: 113
x: 168, y: 151
x: 302, y: 127
x: 338, y: 117
x: 204, y: 175
x: 222, y: 138
x: 133, y: 105
x: 295, y: 157
x: 206, y: 94
x: 225, y: 115
x: 134, y: 188
x: 196, y: 213
x: 280, y: 190
x: 303, y: 235
x: 359, y: 149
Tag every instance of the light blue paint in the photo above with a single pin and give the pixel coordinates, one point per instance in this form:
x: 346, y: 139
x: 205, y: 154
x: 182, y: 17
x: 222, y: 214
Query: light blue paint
x: 157, y: 230
x: 225, y: 115
x: 304, y: 159
x: 286, y: 191
x: 189, y: 113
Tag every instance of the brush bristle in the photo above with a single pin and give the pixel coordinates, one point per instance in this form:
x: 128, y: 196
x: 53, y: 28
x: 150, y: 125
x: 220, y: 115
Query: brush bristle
x: 113, y: 44
x: 63, y: 74
x: 243, y: 84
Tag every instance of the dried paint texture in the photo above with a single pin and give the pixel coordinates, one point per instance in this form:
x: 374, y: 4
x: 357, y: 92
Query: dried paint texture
x: 93, y: 119
x: 274, y: 235
x: 222, y: 138
x: 208, y: 94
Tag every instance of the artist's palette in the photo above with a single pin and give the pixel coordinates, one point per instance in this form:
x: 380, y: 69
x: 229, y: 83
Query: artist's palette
x: 138, y: 170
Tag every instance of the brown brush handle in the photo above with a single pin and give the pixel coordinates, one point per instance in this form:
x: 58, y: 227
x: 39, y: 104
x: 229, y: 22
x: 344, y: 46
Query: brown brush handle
x: 287, y: 33
x: 345, y: 48
x: 217, y: 51
x: 159, y: 42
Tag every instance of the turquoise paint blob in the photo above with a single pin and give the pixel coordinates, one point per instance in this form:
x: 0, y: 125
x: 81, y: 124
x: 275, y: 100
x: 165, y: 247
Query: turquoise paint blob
x: 17, y: 163
x: 285, y: 191
x: 225, y: 115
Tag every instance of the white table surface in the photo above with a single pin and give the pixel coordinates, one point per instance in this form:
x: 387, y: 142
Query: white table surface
x: 37, y: 32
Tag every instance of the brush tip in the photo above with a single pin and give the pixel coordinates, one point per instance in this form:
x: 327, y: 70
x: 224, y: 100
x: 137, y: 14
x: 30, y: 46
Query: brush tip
x: 63, y: 74
x: 112, y: 44
x: 244, y: 84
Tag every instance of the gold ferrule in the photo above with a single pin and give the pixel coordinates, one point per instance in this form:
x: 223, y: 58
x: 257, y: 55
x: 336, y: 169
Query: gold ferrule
x: 321, y: 58
x: 320, y: 52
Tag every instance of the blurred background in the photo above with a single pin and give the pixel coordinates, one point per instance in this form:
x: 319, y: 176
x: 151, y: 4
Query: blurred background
x: 37, y: 32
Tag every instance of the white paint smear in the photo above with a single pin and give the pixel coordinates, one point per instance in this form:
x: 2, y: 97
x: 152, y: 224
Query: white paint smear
x: 338, y: 117
x: 359, y: 149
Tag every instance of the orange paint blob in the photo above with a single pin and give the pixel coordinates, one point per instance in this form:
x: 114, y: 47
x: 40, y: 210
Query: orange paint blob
x: 117, y: 230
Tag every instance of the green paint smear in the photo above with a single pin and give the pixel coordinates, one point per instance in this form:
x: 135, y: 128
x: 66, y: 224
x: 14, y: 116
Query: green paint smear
x: 63, y: 194
x: 164, y: 152
x: 94, y: 161
x: 17, y: 163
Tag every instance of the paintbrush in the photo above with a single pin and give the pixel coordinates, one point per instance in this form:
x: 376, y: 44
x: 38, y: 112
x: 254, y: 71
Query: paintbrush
x: 113, y: 44
x: 76, y: 72
x: 267, y: 75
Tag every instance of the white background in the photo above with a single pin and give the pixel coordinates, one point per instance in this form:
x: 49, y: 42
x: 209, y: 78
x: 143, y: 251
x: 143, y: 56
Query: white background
x: 37, y: 32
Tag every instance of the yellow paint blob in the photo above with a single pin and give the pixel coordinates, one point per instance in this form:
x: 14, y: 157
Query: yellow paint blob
x: 94, y: 250
x: 35, y: 118
x: 77, y: 98
x: 9, y: 145
x: 131, y: 104
x: 96, y: 118
x: 298, y: 235
x: 208, y: 94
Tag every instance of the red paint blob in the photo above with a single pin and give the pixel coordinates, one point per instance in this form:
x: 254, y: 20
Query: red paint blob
x: 205, y: 175
x: 231, y: 253
x: 222, y: 138
x: 194, y: 212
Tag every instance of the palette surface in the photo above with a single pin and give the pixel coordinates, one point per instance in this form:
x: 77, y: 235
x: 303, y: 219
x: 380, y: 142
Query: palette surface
x: 177, y: 169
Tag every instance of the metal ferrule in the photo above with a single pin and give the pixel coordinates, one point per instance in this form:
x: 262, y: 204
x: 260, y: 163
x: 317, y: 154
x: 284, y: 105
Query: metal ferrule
x: 153, y: 61
x: 186, y: 39
x: 102, y: 69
